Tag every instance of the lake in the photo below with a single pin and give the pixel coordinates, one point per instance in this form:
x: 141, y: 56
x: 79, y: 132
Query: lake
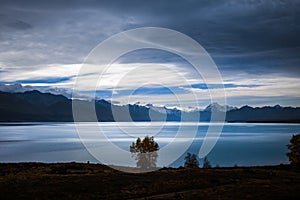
x: 242, y: 144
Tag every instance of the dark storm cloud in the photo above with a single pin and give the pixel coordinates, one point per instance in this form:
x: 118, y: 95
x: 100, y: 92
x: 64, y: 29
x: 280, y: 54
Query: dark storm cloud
x: 252, y: 35
x: 20, y: 25
x: 255, y: 43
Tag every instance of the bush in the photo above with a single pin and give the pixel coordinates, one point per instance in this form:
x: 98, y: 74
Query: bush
x: 206, y: 163
x: 294, y: 147
x: 191, y: 161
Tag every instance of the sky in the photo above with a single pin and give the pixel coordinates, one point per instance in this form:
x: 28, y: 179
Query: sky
x: 254, y: 43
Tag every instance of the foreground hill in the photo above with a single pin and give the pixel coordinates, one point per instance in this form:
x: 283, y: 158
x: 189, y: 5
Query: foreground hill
x: 36, y: 106
x: 95, y: 181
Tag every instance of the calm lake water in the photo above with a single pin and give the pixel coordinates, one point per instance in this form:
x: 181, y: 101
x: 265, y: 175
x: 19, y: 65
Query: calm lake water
x: 240, y: 144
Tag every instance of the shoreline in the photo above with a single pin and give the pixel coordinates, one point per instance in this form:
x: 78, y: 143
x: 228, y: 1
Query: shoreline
x: 225, y: 122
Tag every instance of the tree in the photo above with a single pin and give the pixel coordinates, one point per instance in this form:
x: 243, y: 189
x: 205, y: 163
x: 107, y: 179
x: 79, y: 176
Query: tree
x: 191, y: 161
x: 206, y: 163
x: 145, y: 152
x: 294, y: 147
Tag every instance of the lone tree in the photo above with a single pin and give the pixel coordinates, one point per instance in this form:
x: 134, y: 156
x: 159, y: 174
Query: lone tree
x: 191, y: 161
x: 145, y: 152
x: 294, y: 147
x: 206, y: 163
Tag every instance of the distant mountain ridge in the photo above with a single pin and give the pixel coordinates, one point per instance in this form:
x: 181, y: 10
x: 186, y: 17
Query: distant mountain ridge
x: 220, y: 108
x: 30, y: 106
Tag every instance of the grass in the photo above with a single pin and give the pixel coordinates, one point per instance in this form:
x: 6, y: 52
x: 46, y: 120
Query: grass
x: 95, y: 181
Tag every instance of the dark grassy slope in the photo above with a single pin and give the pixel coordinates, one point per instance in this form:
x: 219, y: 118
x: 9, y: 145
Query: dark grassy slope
x: 91, y: 181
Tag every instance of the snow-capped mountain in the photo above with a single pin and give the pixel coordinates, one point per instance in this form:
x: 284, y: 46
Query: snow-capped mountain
x: 19, y: 88
x: 217, y: 107
x: 160, y: 109
x: 18, y: 104
x: 13, y: 88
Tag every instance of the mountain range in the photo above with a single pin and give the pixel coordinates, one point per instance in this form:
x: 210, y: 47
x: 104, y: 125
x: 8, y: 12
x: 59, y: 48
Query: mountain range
x: 31, y: 106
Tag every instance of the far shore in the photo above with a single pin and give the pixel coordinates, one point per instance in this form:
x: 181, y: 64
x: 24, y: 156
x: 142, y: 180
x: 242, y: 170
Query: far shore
x: 229, y: 122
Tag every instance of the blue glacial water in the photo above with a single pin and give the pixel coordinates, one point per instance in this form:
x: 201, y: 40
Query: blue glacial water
x: 243, y: 144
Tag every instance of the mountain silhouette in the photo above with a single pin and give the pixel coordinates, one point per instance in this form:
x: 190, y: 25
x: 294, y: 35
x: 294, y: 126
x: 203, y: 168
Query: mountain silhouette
x: 34, y: 105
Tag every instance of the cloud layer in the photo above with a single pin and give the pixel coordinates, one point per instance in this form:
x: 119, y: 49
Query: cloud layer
x: 253, y: 42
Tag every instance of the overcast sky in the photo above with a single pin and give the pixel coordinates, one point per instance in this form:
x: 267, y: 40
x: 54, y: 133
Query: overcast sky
x: 255, y: 44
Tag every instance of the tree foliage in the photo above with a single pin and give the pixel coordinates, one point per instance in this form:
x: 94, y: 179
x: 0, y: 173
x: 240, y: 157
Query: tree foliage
x: 145, y: 152
x: 206, y: 163
x: 294, y: 147
x: 191, y: 161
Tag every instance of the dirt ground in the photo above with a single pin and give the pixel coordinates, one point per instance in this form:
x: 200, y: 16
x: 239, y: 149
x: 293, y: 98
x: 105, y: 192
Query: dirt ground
x: 95, y: 181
